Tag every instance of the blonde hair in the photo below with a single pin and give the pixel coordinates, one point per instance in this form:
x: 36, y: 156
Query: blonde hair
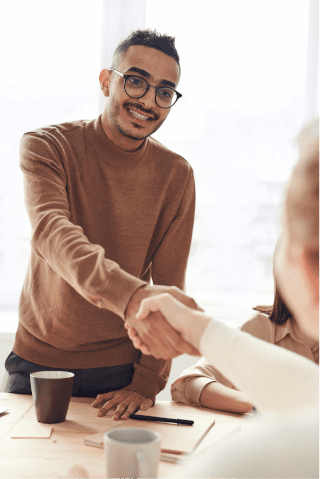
x: 302, y: 197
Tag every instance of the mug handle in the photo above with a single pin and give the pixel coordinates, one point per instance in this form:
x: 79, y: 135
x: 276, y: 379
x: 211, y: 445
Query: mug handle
x: 142, y: 461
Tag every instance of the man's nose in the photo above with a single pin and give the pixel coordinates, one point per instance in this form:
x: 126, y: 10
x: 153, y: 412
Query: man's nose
x: 149, y: 99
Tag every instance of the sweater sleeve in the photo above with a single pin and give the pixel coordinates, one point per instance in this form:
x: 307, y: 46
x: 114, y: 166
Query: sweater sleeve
x: 60, y: 243
x: 150, y: 376
x: 168, y: 268
x: 170, y: 260
x: 275, y: 379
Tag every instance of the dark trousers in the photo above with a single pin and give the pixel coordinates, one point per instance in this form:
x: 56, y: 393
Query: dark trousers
x: 87, y: 382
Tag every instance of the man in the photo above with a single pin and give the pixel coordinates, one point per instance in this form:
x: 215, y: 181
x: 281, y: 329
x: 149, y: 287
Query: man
x: 110, y: 208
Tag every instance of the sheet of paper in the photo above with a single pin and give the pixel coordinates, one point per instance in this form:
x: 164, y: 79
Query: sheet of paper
x: 176, y: 439
x: 221, y: 432
x: 3, y: 409
x: 31, y: 431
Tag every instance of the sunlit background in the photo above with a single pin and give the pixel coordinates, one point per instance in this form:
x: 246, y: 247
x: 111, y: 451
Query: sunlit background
x: 244, y: 85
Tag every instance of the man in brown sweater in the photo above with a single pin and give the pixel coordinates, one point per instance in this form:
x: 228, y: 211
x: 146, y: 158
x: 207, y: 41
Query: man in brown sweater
x: 111, y: 209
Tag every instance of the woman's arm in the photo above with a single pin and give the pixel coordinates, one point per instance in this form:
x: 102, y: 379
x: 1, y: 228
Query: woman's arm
x: 275, y: 380
x: 203, y: 385
x: 217, y: 396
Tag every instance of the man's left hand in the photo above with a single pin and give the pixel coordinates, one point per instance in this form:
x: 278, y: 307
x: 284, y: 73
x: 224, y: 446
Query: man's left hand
x: 127, y: 402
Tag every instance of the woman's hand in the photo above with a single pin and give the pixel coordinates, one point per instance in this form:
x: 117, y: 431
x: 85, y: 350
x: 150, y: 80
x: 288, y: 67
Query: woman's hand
x: 190, y: 323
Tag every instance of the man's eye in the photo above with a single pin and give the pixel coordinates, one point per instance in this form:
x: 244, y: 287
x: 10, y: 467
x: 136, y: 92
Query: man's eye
x: 165, y: 94
x: 135, y: 82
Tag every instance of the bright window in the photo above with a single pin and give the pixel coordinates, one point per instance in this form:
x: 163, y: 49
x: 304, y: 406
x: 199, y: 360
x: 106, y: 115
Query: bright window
x: 243, y: 83
x: 50, y: 60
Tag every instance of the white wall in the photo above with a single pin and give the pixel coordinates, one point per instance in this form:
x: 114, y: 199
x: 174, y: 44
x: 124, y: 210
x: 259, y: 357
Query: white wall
x: 127, y: 15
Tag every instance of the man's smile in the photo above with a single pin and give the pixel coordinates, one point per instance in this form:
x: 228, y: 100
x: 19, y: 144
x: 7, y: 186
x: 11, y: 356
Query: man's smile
x: 137, y: 112
x: 139, y: 116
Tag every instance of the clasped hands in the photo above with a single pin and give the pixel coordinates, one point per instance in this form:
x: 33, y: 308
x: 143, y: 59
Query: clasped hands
x: 163, y: 322
x: 155, y: 323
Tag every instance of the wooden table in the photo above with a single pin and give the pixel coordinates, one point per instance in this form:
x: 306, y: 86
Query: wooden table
x: 55, y: 457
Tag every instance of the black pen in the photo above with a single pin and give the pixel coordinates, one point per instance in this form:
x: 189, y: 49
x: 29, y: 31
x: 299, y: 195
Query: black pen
x: 185, y: 422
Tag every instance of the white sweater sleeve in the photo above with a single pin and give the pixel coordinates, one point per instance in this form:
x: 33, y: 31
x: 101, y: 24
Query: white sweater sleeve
x: 275, y: 379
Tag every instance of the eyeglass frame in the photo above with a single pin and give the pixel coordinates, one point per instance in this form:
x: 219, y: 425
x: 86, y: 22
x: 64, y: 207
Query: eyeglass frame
x: 179, y: 95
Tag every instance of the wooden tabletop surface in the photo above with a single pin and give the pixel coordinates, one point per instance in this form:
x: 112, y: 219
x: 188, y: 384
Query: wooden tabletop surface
x: 64, y: 452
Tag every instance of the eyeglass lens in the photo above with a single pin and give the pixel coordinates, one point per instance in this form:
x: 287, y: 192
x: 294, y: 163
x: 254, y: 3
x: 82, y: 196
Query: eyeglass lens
x: 136, y: 87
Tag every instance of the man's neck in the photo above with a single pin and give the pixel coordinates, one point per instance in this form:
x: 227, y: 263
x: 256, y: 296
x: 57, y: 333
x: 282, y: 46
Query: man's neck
x: 119, y: 139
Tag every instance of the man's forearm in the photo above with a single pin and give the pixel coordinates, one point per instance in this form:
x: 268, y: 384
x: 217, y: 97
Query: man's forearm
x: 83, y: 265
x: 58, y: 239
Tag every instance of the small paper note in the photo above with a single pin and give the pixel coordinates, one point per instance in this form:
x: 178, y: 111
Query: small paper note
x: 31, y: 431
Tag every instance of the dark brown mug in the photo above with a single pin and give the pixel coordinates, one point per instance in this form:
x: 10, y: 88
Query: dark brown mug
x: 51, y: 392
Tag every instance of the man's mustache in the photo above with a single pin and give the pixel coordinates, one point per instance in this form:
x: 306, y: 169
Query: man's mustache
x: 139, y: 107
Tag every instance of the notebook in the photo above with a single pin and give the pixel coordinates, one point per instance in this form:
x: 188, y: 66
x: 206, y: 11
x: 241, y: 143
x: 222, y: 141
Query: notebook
x: 176, y: 439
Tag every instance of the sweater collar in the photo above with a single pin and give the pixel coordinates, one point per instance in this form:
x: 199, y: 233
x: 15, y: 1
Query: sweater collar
x: 113, y: 155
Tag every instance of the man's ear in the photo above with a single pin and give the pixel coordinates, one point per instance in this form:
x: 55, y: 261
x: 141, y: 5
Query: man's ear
x: 104, y: 79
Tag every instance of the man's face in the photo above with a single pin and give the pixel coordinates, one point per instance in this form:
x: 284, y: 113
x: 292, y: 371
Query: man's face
x: 138, y: 118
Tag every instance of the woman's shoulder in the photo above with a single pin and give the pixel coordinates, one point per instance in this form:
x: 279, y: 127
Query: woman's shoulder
x: 259, y: 325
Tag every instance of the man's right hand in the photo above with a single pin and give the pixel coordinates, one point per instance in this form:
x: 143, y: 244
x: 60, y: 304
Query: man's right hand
x: 155, y: 332
x: 190, y: 323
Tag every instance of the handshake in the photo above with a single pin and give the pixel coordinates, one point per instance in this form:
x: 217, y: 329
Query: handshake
x: 164, y: 322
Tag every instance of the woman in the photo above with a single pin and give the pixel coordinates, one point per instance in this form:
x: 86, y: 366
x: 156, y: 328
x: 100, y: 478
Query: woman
x: 203, y: 385
x: 282, y: 385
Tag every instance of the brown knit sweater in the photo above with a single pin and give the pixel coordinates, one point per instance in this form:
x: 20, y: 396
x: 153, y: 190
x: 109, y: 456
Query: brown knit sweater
x: 104, y: 222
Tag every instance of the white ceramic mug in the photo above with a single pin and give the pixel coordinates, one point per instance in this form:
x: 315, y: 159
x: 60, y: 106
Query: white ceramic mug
x: 132, y: 452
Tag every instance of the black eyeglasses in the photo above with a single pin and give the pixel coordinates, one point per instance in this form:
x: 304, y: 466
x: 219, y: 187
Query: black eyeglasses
x: 137, y: 87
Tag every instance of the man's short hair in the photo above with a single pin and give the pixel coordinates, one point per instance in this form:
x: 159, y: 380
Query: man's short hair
x: 147, y: 38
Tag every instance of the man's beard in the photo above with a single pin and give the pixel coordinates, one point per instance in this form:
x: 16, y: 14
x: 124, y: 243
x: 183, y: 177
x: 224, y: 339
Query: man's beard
x: 115, y: 114
x: 137, y: 137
